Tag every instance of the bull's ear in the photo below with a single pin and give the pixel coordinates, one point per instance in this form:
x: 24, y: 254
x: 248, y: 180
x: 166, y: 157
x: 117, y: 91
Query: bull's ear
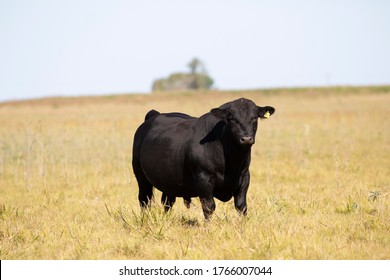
x: 265, y: 112
x: 220, y: 113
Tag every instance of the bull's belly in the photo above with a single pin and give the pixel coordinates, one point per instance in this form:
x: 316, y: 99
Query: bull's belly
x: 169, y: 185
x: 168, y: 177
x: 223, y: 196
x: 173, y: 181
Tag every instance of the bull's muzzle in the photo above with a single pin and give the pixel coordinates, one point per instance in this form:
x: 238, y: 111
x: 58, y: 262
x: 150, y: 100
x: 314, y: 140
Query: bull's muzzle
x: 246, y: 140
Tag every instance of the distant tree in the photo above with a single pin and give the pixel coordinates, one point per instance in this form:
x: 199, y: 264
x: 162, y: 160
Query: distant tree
x: 196, y: 79
x: 194, y: 65
x: 203, y: 81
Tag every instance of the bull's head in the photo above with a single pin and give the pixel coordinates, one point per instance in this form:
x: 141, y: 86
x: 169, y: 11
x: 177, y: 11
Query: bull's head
x: 241, y: 118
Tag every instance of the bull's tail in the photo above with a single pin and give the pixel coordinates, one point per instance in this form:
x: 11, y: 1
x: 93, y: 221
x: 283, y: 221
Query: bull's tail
x: 151, y: 114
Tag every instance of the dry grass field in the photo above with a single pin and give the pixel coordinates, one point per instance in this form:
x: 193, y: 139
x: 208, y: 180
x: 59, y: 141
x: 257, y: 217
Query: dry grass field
x: 319, y: 188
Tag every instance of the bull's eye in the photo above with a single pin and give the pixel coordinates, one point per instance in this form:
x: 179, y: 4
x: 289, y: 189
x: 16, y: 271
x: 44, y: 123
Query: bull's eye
x: 235, y: 121
x: 254, y: 124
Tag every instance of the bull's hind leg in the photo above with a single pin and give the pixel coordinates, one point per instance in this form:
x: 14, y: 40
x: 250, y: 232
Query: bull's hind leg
x: 208, y: 206
x: 167, y: 201
x: 145, y: 194
x: 187, y: 202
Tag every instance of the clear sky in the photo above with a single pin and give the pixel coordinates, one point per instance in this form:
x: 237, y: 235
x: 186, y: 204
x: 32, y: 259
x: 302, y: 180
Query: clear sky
x: 68, y: 47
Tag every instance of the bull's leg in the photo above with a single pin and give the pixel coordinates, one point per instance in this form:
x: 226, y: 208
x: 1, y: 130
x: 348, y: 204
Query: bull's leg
x: 167, y: 201
x: 145, y: 194
x: 240, y: 204
x: 187, y: 202
x: 240, y: 196
x: 205, y: 184
x: 208, y: 206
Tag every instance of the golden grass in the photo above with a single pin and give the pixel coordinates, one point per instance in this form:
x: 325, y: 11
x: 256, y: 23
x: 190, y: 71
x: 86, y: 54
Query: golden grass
x: 319, y: 187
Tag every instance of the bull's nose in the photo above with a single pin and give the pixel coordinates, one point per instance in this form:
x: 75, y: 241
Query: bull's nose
x: 246, y: 140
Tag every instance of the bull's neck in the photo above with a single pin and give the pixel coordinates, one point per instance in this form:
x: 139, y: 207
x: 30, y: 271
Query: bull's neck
x: 236, y: 157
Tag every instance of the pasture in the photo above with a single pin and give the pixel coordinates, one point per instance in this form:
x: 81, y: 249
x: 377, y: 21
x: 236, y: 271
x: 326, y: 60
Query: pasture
x: 320, y: 180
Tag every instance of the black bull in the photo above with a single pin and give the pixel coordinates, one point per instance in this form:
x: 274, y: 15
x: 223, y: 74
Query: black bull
x: 203, y: 157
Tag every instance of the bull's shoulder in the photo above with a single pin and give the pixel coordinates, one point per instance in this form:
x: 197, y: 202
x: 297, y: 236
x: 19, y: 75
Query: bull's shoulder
x: 209, y: 129
x: 205, y: 143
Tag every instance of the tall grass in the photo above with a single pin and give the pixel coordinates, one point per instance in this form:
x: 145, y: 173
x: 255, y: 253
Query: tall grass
x: 319, y: 186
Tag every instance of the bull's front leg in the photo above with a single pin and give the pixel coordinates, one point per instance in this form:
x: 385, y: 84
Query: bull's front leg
x: 240, y: 196
x: 205, y: 186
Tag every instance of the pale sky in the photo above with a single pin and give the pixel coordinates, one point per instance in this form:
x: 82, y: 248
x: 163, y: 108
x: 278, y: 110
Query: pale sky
x: 51, y: 48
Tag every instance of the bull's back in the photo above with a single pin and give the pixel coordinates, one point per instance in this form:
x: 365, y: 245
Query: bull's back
x: 162, y: 143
